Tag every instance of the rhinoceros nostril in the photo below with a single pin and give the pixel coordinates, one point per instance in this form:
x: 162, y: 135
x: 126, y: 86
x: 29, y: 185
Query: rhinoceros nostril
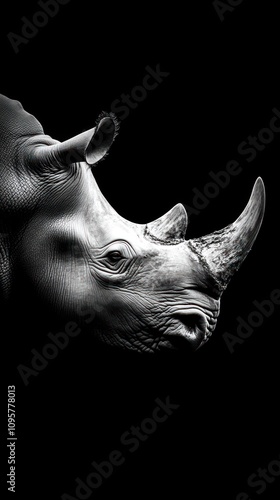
x: 187, y: 327
x: 193, y: 322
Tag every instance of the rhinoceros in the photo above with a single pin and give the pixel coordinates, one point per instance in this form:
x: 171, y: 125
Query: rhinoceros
x: 146, y: 286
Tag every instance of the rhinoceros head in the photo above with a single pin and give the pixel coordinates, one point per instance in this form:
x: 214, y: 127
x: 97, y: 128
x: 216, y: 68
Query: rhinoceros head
x: 141, y: 286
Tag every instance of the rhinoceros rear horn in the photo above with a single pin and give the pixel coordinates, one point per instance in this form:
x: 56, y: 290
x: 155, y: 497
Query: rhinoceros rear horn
x: 222, y: 252
x: 90, y: 146
x: 170, y: 228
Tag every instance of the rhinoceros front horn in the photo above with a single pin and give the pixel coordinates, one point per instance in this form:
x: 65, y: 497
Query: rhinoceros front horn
x: 90, y: 146
x: 222, y: 252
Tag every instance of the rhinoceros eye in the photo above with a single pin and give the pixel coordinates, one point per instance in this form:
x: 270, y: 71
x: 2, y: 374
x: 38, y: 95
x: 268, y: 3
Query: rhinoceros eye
x: 114, y: 256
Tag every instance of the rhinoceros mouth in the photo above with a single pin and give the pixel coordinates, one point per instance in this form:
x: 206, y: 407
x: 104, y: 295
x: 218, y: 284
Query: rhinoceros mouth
x: 190, y: 329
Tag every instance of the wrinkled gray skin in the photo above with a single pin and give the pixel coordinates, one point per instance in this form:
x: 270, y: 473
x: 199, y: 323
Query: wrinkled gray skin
x: 144, y: 287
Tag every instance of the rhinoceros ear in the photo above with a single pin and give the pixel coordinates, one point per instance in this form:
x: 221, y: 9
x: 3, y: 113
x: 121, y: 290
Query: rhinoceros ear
x: 170, y: 228
x: 90, y: 146
x: 102, y: 138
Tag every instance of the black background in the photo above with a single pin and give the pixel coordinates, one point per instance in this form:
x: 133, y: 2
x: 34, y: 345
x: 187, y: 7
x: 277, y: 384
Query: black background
x: 223, y: 83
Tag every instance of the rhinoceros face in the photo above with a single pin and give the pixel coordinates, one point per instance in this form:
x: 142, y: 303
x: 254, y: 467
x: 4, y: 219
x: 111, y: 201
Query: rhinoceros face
x: 140, y: 286
x: 154, y: 300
